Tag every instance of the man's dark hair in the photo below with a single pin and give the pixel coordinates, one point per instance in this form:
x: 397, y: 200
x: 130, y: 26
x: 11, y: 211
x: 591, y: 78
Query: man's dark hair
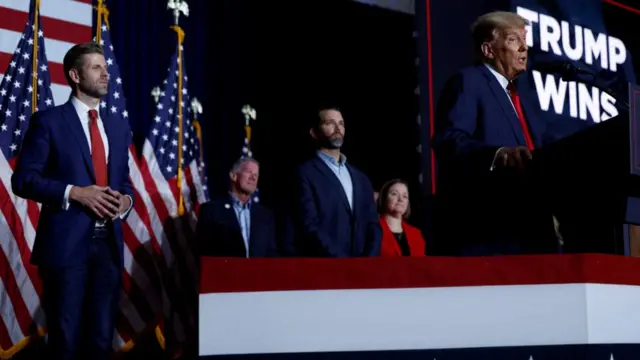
x: 73, y: 58
x: 317, y: 120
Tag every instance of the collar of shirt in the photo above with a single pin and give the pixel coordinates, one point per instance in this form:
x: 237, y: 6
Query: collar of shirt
x: 238, y: 204
x: 83, y: 110
x: 501, y: 79
x: 330, y: 159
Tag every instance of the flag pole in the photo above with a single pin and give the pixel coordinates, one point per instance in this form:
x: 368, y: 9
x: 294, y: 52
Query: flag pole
x: 249, y: 115
x: 179, y: 6
x: 196, y: 109
x: 34, y: 79
x: 102, y: 11
x: 180, y: 34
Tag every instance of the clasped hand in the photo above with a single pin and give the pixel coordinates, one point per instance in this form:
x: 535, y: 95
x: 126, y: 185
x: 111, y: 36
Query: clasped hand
x: 516, y: 158
x: 105, y: 202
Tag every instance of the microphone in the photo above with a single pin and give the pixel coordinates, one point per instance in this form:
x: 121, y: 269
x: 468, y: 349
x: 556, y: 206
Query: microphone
x: 567, y: 70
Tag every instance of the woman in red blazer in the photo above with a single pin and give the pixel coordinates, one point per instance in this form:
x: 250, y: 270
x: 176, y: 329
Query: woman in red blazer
x: 398, y: 237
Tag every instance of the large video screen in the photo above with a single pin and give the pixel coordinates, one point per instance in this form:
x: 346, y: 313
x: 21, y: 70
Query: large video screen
x: 587, y: 35
x: 598, y: 38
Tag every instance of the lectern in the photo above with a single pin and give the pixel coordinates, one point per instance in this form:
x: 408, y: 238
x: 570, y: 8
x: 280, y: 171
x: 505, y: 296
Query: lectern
x: 593, y: 181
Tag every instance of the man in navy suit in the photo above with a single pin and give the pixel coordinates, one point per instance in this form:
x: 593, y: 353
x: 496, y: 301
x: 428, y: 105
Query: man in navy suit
x: 334, y: 207
x: 75, y: 163
x: 237, y: 225
x: 485, y: 131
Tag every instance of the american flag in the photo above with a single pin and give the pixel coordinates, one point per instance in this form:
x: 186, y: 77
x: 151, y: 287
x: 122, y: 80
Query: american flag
x: 67, y: 22
x: 139, y: 302
x: 20, y: 286
x: 159, y: 167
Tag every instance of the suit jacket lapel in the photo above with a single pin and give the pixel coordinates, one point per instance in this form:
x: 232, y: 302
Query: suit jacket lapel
x: 111, y: 136
x: 406, y: 236
x: 386, y: 229
x: 503, y: 99
x: 229, y: 217
x: 253, y: 230
x: 356, y: 190
x: 324, y: 169
x: 75, y: 126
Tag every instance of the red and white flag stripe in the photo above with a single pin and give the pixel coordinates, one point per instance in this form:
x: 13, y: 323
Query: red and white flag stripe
x: 162, y: 205
x: 64, y: 22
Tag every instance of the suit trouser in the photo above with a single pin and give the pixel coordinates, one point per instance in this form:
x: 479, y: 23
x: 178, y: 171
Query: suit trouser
x: 81, y: 301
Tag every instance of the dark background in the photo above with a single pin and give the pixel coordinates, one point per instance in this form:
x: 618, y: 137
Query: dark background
x: 283, y: 58
x: 451, y: 39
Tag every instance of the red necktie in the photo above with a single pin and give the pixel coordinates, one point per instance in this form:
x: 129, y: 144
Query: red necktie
x: 98, y: 156
x: 515, y: 98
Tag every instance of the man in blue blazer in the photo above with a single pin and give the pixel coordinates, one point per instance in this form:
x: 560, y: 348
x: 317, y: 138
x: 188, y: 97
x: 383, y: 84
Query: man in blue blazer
x: 485, y: 131
x: 237, y: 225
x: 334, y: 207
x: 75, y: 163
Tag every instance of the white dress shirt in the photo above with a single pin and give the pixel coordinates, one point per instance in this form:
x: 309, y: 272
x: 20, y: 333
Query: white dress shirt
x: 340, y: 170
x: 83, y: 114
x: 504, y: 83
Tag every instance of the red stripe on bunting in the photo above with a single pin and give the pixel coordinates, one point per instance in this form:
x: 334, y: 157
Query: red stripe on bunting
x: 12, y: 290
x: 220, y: 275
x: 53, y: 28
